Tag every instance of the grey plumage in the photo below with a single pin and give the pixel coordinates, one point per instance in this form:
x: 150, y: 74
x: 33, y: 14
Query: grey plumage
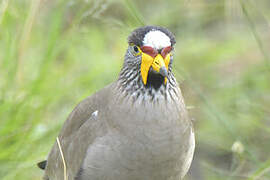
x: 127, y: 131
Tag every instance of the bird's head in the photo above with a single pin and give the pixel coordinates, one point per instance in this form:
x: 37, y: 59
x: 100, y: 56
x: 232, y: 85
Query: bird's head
x: 150, y: 54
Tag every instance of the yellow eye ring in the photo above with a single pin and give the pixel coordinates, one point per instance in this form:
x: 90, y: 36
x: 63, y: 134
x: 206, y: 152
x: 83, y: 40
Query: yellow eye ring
x: 137, y: 51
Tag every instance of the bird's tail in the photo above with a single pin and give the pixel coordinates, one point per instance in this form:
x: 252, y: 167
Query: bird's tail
x: 42, y: 164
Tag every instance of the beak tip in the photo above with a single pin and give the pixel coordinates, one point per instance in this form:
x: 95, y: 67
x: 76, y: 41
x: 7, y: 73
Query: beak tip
x: 163, y: 71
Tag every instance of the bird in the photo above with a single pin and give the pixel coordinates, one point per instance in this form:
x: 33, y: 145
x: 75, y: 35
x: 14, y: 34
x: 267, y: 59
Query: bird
x: 136, y: 128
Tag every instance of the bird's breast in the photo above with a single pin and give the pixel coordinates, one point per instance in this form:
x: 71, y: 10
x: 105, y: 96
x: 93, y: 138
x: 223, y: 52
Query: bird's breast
x: 144, y: 139
x: 152, y: 135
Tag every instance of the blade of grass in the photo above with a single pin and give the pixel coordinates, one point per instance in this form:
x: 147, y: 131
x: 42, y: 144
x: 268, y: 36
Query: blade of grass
x: 3, y: 9
x: 25, y: 36
x: 261, y: 171
x: 255, y: 34
x: 135, y: 13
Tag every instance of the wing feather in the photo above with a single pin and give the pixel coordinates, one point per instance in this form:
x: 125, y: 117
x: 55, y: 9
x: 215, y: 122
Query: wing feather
x: 79, y: 131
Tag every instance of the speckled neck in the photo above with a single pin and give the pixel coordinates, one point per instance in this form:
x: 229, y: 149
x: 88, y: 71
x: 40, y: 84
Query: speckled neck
x: 131, y: 85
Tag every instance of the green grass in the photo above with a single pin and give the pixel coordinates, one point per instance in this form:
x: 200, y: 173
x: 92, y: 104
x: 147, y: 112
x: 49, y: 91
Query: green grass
x: 53, y: 54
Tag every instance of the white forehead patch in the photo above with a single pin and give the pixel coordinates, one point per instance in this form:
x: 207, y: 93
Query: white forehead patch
x: 156, y: 39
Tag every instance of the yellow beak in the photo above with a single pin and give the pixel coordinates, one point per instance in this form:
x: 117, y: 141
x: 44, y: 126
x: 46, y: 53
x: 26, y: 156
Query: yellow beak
x: 159, y: 64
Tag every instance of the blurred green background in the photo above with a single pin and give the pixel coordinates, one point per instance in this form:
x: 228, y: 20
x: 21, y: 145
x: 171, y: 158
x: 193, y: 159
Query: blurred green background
x: 53, y: 54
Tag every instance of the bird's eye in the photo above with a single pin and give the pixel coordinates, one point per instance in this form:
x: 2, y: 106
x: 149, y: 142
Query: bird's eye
x: 136, y: 50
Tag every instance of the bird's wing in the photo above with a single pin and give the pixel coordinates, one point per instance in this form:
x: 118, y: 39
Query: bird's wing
x: 83, y: 126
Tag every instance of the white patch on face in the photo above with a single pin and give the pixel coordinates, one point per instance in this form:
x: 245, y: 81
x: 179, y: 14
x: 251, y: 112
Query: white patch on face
x: 156, y: 39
